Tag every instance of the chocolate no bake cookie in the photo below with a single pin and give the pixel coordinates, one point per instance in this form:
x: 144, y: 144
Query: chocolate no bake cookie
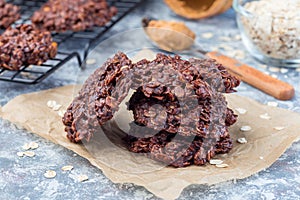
x: 74, y: 15
x: 25, y: 45
x: 180, y: 114
x: 9, y: 13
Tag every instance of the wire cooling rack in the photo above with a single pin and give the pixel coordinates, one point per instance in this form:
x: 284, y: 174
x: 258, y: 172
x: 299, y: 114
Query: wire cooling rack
x: 33, y: 74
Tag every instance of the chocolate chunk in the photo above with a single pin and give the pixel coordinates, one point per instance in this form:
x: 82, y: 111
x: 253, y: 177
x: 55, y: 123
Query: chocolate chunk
x: 25, y: 45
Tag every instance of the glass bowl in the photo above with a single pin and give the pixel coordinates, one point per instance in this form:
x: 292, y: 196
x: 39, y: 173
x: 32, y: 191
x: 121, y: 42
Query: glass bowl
x: 270, y: 30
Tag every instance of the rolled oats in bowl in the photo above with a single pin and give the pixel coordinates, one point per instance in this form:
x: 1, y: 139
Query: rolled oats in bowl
x: 271, y: 30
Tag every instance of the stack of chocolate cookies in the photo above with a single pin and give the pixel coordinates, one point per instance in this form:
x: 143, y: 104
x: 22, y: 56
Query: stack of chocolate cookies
x: 180, y: 115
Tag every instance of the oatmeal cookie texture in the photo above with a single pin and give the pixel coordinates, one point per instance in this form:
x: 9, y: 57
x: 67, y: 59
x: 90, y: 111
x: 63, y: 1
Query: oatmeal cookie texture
x: 180, y: 115
x: 276, y: 32
x: 79, y: 15
x: 24, y: 45
x: 9, y: 13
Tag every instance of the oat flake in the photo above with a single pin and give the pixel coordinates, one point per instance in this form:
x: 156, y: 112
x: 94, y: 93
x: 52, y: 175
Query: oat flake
x: 90, y: 61
x: 57, y: 107
x: 29, y: 153
x: 83, y: 178
x: 50, y: 174
x: 237, y: 37
x: 20, y: 154
x: 26, y: 146
x: 67, y: 168
x: 51, y: 103
x: 265, y: 116
x: 284, y: 70
x: 274, y: 69
x: 33, y: 145
x: 207, y: 35
x: 222, y: 165
x: 246, y: 128
x: 272, y: 104
x: 225, y: 38
x: 279, y: 128
x: 241, y: 110
x: 61, y: 113
x: 274, y: 76
x: 215, y: 162
x: 242, y: 140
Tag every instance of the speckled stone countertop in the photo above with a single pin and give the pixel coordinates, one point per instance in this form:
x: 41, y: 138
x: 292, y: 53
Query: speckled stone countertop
x: 22, y: 178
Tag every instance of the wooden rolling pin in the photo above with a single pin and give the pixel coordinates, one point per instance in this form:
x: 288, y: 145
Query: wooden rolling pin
x: 254, y: 77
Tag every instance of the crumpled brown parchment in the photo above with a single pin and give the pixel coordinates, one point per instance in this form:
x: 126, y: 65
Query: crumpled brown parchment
x: 265, y: 143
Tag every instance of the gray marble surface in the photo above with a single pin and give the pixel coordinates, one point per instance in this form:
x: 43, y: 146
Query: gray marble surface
x: 22, y: 178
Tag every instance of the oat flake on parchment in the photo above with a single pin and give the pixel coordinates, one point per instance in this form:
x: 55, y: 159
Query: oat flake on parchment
x: 246, y: 128
x: 215, y: 161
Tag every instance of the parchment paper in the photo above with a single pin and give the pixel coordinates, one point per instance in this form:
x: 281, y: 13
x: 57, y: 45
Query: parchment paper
x: 265, y: 144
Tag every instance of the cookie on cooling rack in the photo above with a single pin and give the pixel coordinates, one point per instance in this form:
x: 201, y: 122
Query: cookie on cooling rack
x: 9, y: 13
x: 25, y: 45
x: 61, y: 16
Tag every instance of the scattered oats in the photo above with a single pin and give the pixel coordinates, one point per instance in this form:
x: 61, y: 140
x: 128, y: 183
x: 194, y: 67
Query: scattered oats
x: 56, y: 107
x: 83, y: 178
x: 237, y: 37
x: 207, y: 35
x: 90, y: 61
x: 245, y: 128
x: 274, y: 69
x: 284, y: 70
x: 260, y: 157
x: 51, y: 103
x: 274, y: 76
x: 241, y: 110
x: 29, y: 153
x: 20, y: 154
x: 242, y: 140
x: 265, y: 116
x: 225, y: 38
x: 272, y: 104
x: 67, y: 168
x: 215, y: 162
x: 263, y: 66
x: 26, y: 146
x: 33, y: 145
x: 222, y: 165
x: 50, y: 174
x: 279, y: 128
x: 61, y: 113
